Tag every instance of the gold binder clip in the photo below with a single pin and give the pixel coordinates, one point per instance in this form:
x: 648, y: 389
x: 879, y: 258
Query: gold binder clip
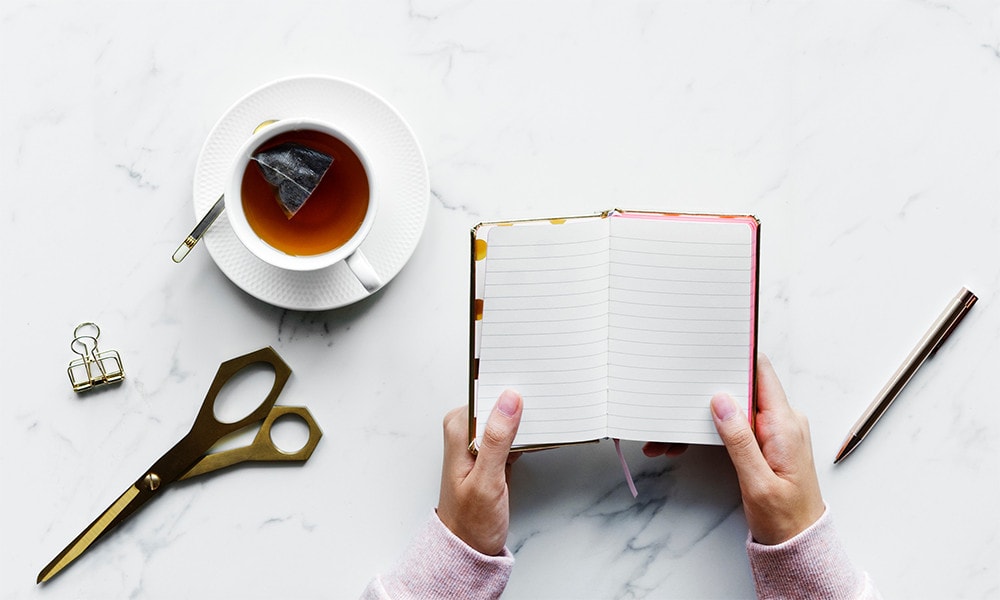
x: 94, y: 367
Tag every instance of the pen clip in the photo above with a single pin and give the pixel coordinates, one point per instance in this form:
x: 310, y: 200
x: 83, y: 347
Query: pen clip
x: 968, y: 301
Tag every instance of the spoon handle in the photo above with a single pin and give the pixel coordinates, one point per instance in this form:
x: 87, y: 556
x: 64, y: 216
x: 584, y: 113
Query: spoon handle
x: 199, y: 230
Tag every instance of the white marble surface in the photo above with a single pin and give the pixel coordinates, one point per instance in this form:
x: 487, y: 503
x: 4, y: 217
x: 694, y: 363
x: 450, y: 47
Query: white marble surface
x: 864, y: 135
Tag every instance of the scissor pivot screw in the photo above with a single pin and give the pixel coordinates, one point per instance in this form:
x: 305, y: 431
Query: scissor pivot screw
x: 151, y: 481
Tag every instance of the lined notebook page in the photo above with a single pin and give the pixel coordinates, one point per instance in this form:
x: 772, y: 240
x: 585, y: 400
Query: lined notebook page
x: 681, y: 311
x: 545, y: 327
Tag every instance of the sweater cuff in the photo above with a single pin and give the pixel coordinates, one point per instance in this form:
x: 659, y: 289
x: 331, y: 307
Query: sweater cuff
x: 438, y: 564
x: 813, y: 564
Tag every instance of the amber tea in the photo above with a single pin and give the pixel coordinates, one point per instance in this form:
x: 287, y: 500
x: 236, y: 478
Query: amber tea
x: 332, y: 214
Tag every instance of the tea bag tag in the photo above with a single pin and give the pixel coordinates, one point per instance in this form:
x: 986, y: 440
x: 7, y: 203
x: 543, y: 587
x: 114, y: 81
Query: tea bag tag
x: 94, y: 367
x: 294, y: 171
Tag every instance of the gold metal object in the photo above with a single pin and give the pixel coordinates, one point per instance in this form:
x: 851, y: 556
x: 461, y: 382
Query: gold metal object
x: 213, y: 213
x: 90, y: 535
x: 928, y: 345
x: 190, y: 457
x: 94, y: 367
x: 152, y: 482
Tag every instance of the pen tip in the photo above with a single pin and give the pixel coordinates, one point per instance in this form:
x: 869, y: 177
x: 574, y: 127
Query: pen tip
x: 850, y: 444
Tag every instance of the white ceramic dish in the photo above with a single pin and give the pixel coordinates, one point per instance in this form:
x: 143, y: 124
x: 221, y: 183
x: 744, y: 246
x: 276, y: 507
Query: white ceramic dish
x: 388, y: 142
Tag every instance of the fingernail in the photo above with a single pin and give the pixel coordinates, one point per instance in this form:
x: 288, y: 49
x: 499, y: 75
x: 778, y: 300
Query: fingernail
x: 507, y: 404
x: 723, y: 406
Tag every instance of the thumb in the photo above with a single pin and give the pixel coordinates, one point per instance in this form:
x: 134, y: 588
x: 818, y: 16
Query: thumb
x: 499, y: 434
x: 734, y: 429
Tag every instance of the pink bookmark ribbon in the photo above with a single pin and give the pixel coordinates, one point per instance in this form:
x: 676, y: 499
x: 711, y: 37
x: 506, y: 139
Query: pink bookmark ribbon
x: 628, y: 474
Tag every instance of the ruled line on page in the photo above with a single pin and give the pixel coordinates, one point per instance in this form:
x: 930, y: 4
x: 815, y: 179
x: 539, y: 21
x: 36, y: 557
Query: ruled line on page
x: 677, y: 292
x: 649, y: 270
x: 534, y: 279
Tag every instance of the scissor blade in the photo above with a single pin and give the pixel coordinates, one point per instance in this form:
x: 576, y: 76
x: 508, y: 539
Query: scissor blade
x: 124, y: 506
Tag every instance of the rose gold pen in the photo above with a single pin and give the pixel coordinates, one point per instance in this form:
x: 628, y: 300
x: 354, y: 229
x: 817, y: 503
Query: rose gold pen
x: 928, y: 345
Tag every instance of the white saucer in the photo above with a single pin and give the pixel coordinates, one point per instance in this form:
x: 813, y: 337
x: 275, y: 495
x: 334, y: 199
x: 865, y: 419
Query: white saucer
x: 397, y: 162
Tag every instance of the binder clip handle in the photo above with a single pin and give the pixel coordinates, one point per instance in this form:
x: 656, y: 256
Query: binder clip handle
x: 93, y: 367
x: 96, y: 333
x: 85, y: 346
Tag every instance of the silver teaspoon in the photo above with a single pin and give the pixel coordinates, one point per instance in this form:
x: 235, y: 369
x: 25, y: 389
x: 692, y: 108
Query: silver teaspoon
x: 209, y: 218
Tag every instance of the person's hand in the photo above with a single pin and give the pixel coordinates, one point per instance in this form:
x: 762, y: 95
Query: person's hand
x: 777, y: 476
x: 474, y: 500
x: 654, y: 449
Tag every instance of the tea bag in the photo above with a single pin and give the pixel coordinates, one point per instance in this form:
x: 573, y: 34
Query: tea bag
x: 294, y: 171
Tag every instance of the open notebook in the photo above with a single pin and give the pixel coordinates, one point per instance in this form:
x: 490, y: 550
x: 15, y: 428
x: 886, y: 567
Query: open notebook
x: 619, y: 325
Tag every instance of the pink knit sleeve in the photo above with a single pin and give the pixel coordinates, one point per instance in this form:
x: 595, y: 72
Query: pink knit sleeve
x: 813, y: 564
x: 440, y: 565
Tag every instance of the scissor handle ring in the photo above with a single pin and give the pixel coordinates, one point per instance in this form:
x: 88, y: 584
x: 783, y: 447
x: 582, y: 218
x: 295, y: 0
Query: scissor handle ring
x: 302, y: 453
x: 206, y: 416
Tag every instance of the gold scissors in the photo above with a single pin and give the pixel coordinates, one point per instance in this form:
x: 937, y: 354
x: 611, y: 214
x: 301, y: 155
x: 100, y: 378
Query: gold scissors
x: 189, y: 456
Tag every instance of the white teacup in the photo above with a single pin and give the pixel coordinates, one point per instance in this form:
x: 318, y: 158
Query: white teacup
x: 262, y: 239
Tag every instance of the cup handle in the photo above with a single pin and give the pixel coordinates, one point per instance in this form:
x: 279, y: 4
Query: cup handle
x: 363, y: 270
